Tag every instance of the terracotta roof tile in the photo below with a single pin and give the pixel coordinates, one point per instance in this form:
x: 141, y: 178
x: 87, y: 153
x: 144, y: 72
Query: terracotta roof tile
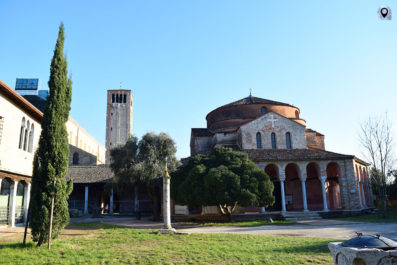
x: 90, y: 174
x: 259, y: 155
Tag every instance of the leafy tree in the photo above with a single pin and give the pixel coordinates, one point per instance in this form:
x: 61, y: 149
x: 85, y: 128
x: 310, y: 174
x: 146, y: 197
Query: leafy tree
x: 51, y: 160
x: 143, y: 163
x: 224, y: 178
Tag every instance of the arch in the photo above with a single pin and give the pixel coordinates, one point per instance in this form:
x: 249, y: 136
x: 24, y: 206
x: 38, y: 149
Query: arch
x: 272, y: 171
x: 296, y: 114
x: 263, y: 110
x: 26, y: 135
x: 313, y: 187
x: 274, y: 140
x: 21, y: 133
x: 258, y: 140
x: 31, y: 137
x: 332, y: 186
x: 5, y: 187
x: 288, y: 140
x: 293, y: 188
x: 76, y: 158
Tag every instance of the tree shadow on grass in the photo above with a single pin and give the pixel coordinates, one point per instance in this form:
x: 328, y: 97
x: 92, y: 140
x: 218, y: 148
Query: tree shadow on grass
x: 308, y: 248
x: 17, y: 245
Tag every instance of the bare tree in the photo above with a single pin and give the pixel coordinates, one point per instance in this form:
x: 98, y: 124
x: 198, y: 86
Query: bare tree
x: 377, y: 141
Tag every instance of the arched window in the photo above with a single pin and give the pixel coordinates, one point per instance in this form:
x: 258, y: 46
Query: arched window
x: 21, y: 133
x: 125, y: 98
x: 263, y: 110
x: 75, y: 158
x: 25, y: 141
x: 5, y: 187
x: 113, y: 98
x: 31, y: 137
x: 258, y: 140
x: 296, y: 114
x: 288, y: 140
x: 274, y: 146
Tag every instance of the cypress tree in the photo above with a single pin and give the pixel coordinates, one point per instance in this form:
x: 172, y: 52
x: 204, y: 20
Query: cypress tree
x: 51, y: 160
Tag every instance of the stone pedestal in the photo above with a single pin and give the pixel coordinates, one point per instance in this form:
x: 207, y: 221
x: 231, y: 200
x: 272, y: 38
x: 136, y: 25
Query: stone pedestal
x: 361, y: 256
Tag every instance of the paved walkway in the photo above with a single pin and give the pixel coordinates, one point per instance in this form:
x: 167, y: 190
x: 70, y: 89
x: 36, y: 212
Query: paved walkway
x: 324, y: 228
x: 314, y: 228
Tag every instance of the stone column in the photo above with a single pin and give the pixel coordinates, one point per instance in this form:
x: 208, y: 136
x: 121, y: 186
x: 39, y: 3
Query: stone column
x: 13, y: 202
x: 111, y: 201
x: 26, y: 200
x: 167, y: 204
x: 303, y: 182
x: 303, y: 177
x: 325, y: 204
x: 282, y: 179
x: 86, y: 200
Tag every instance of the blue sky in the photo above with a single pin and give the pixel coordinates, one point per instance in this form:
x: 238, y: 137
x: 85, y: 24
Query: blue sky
x: 335, y: 60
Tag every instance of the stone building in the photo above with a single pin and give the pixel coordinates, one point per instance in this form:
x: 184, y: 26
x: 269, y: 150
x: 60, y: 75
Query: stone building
x: 20, y: 128
x: 118, y: 119
x: 306, y: 177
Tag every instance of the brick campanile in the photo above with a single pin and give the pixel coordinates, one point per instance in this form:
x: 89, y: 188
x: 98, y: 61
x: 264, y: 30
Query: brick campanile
x: 118, y: 119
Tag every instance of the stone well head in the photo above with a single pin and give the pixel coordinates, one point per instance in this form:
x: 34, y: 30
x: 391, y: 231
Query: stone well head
x: 365, y: 250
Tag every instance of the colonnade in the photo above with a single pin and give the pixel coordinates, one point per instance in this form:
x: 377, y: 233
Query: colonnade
x: 12, y: 201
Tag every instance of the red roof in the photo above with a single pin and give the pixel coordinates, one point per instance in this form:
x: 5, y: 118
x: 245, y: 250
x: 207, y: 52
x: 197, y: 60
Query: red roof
x: 20, y: 102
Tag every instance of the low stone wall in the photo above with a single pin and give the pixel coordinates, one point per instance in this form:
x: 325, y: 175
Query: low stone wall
x: 337, y: 214
x: 213, y: 218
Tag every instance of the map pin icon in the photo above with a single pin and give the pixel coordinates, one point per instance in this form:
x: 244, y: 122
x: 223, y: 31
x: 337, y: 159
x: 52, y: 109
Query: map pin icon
x: 384, y: 11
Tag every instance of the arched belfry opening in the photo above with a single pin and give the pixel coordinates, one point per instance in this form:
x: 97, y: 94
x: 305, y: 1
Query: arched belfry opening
x: 313, y: 187
x: 332, y: 186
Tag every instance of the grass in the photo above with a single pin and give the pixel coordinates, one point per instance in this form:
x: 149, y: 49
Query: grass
x: 250, y: 223
x: 108, y: 244
x: 374, y: 218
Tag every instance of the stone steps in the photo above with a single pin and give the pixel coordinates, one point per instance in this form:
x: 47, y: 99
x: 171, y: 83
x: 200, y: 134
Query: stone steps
x: 298, y: 216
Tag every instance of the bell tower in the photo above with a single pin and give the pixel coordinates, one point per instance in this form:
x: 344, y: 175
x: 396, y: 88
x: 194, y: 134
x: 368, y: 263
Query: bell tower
x: 118, y: 119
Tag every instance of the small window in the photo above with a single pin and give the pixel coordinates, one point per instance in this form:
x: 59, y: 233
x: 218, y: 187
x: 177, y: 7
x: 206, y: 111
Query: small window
x: 263, y: 110
x: 75, y: 158
x: 258, y: 140
x: 31, y: 137
x: 296, y: 114
x: 21, y: 133
x: 25, y: 140
x: 274, y: 146
x: 117, y: 98
x: 112, y: 98
x: 288, y: 140
x: 125, y: 98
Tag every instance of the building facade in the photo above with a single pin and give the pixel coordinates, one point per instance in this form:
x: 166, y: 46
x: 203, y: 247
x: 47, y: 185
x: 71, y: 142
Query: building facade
x: 118, y: 119
x: 20, y: 128
x: 306, y: 177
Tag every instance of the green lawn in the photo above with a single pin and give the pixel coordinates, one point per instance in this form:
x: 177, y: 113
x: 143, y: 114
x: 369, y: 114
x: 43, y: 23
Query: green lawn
x: 374, y: 218
x: 115, y: 245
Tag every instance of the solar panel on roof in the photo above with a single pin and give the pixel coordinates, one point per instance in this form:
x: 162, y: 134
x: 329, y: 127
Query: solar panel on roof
x: 27, y: 84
